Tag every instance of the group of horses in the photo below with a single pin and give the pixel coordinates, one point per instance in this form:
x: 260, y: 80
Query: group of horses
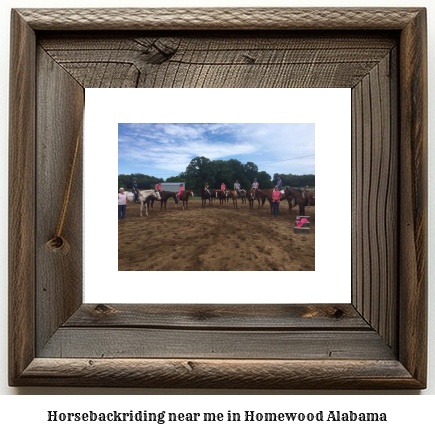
x: 301, y: 198
x: 147, y: 197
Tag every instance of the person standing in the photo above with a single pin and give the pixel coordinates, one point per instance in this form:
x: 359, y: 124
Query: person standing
x: 122, y: 204
x: 276, y: 195
x: 135, y: 190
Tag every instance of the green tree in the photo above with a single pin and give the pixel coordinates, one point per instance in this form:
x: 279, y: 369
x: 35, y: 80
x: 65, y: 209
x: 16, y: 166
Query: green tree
x: 197, y: 173
x: 264, y: 180
x: 251, y: 171
x: 179, y: 178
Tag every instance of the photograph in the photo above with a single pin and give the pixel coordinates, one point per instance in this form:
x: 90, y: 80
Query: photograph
x: 216, y: 196
x: 357, y: 76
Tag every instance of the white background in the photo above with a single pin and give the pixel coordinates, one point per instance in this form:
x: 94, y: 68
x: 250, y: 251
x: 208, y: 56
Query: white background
x: 28, y: 412
x: 329, y: 109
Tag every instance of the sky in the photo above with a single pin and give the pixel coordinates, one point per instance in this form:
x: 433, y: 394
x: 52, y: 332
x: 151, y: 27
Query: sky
x: 165, y: 149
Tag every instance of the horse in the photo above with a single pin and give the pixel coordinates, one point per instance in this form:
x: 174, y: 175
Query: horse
x: 244, y: 197
x: 165, y: 195
x: 185, y: 196
x: 234, y: 195
x: 252, y: 195
x: 310, y: 198
x: 300, y: 198
x: 222, y: 196
x: 142, y: 198
x: 204, y: 196
x: 267, y: 194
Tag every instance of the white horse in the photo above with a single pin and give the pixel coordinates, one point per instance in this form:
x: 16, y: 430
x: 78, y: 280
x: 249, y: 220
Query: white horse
x: 142, y: 198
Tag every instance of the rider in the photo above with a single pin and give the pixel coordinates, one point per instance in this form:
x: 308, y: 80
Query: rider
x: 304, y: 191
x: 223, y: 186
x: 237, y: 188
x: 135, y: 189
x: 255, y: 184
x: 206, y: 188
x: 180, y: 191
x: 279, y: 183
x: 158, y: 188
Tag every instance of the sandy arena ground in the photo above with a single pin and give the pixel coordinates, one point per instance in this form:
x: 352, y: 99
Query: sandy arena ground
x: 214, y: 239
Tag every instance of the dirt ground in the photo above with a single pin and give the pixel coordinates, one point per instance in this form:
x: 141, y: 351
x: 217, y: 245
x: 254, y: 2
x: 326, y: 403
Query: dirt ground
x: 214, y: 239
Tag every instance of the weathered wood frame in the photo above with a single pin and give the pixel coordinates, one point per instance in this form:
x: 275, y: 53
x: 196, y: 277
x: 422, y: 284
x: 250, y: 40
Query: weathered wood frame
x: 377, y: 341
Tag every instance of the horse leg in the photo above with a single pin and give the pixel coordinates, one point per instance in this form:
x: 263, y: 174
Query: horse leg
x: 141, y: 206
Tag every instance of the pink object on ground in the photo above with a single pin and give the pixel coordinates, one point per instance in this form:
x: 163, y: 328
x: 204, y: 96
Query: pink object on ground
x: 301, y: 222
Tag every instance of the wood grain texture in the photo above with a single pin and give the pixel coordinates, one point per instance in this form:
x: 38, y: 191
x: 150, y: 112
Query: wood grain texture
x: 220, y: 18
x: 229, y: 374
x: 378, y: 342
x: 220, y: 317
x: 59, y: 278
x: 127, y: 342
x: 22, y: 223
x: 413, y: 192
x: 235, y: 61
x: 375, y: 198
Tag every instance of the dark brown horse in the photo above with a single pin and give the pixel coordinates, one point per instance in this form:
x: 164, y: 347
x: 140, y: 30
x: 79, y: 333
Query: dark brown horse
x: 300, y: 197
x: 164, y: 196
x: 185, y: 196
x: 222, y: 196
x: 205, y: 195
x: 310, y: 198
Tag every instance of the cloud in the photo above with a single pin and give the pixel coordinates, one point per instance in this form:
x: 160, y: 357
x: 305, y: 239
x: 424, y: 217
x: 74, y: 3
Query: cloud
x: 170, y: 147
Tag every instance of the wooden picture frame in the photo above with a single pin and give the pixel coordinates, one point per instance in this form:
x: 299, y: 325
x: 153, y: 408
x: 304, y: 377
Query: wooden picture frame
x: 376, y: 342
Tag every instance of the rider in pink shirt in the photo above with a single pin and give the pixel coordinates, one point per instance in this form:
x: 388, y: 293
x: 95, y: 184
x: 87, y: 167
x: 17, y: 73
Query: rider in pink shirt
x: 181, y: 191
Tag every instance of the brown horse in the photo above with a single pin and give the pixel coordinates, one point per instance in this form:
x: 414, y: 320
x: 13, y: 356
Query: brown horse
x: 185, y: 196
x: 267, y: 194
x: 310, y: 198
x: 222, y: 196
x: 234, y: 195
x: 244, y: 197
x: 252, y: 195
x: 164, y: 196
x: 300, y: 197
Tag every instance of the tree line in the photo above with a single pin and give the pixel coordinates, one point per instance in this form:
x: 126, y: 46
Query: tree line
x: 201, y: 170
